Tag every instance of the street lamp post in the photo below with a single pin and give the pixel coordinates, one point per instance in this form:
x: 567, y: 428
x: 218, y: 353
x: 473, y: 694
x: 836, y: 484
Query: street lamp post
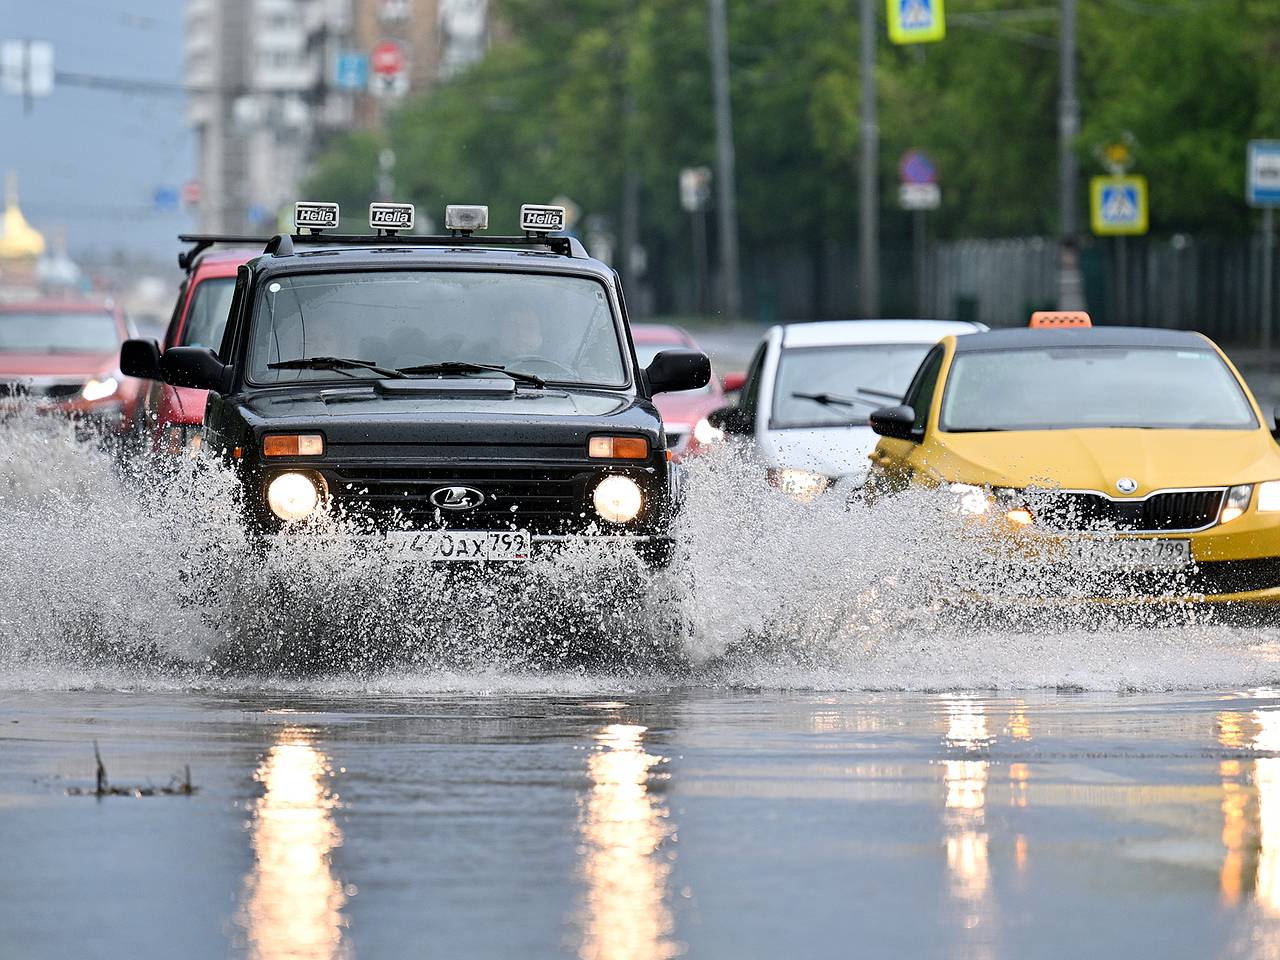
x: 1070, y: 292
x: 725, y: 178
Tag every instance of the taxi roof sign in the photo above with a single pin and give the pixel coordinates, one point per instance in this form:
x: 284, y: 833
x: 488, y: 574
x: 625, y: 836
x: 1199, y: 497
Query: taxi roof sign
x: 311, y: 215
x: 542, y: 218
x: 391, y: 216
x: 1059, y: 319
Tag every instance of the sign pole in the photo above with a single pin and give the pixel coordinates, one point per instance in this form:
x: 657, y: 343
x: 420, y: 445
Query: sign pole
x: 921, y: 255
x: 869, y: 198
x: 1268, y: 262
x: 699, y: 218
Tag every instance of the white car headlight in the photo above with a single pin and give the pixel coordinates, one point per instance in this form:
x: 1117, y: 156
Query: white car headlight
x: 706, y: 434
x: 803, y: 485
x: 971, y: 499
x: 618, y: 499
x: 1237, y: 502
x: 1269, y: 496
x: 97, y: 389
x: 293, y: 496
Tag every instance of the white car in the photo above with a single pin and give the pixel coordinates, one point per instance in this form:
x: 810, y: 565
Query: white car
x: 811, y: 386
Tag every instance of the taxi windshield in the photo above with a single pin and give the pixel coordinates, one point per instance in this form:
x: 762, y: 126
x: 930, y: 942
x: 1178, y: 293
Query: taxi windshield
x: 1093, y: 387
x: 839, y: 386
x: 557, y: 328
x: 40, y: 332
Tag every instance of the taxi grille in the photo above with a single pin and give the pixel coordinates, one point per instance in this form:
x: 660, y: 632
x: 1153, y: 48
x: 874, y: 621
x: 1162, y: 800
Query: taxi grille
x: 1178, y: 510
x: 536, y: 498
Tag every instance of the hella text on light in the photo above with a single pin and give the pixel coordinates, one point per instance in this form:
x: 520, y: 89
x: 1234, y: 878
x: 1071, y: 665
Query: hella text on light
x: 391, y: 216
x: 314, y: 216
x: 542, y: 218
x: 466, y: 218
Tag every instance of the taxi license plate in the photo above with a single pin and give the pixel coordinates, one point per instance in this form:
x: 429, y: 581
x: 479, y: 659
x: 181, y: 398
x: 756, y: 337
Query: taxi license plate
x: 461, y: 545
x: 1130, y: 554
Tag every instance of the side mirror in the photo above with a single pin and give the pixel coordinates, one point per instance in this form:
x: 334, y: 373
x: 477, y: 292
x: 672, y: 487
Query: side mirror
x: 141, y: 359
x: 897, y: 423
x: 732, y: 420
x: 733, y: 382
x: 674, y: 370
x: 196, y: 367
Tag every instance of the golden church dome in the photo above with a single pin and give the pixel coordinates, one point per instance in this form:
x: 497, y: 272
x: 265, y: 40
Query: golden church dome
x: 18, y: 239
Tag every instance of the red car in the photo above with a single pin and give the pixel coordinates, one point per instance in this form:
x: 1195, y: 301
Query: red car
x: 65, y: 355
x: 173, y: 416
x: 684, y: 414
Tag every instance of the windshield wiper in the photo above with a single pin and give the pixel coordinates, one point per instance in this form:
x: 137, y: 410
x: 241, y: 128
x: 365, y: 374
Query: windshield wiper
x: 895, y: 397
x: 464, y: 367
x: 833, y: 400
x: 339, y: 364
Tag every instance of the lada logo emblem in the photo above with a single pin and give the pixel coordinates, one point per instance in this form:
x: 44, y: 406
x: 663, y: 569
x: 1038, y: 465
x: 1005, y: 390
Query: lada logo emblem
x: 1126, y: 484
x: 457, y: 498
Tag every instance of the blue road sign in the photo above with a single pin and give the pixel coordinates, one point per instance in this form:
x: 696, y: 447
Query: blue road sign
x: 165, y: 199
x: 351, y: 70
x: 1118, y: 205
x: 1262, y: 180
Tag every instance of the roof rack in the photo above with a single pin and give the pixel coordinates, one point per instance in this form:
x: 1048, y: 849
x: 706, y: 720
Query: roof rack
x: 282, y: 244
x: 203, y: 241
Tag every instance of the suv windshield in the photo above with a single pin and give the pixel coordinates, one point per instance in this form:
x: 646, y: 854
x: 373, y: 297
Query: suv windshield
x: 207, y: 317
x: 1076, y: 387
x: 38, y: 332
x: 557, y: 327
x: 839, y: 373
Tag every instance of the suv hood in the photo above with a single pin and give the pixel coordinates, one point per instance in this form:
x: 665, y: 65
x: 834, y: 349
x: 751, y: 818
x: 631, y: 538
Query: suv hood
x: 360, y: 415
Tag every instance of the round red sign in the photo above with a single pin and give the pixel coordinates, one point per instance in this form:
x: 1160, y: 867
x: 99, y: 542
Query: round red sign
x: 387, y: 58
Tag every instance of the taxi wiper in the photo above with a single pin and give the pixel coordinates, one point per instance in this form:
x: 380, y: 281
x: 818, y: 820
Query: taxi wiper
x: 339, y: 364
x: 833, y: 400
x: 464, y: 367
x: 885, y: 394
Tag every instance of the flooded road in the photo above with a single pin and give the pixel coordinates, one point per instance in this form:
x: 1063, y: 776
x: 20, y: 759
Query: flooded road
x: 611, y: 823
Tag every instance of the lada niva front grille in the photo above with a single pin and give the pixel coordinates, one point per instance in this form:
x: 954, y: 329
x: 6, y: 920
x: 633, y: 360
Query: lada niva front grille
x: 1167, y: 512
x: 543, y: 499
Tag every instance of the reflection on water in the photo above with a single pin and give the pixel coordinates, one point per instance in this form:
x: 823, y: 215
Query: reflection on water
x: 1251, y: 810
x: 624, y: 826
x: 293, y: 902
x: 966, y: 800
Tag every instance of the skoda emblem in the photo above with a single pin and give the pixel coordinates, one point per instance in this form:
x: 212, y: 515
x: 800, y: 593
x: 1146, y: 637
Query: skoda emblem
x: 1126, y: 484
x: 457, y: 498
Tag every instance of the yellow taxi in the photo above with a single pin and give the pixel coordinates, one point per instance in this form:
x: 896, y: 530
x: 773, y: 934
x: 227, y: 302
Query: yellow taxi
x: 1140, y: 448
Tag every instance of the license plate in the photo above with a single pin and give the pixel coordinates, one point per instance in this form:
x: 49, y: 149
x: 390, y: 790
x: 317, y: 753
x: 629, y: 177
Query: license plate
x: 461, y: 545
x: 1130, y: 554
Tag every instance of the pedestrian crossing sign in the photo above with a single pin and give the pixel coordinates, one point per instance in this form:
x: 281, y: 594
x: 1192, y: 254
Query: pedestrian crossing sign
x: 1118, y: 205
x: 916, y: 21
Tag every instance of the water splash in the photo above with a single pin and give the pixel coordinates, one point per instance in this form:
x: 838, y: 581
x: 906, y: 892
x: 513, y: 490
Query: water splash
x: 143, y: 574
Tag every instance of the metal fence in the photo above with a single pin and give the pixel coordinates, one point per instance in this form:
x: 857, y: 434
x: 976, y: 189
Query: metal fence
x: 1211, y: 285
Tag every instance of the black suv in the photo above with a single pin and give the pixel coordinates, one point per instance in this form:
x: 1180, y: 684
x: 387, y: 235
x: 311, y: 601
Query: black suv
x: 471, y: 398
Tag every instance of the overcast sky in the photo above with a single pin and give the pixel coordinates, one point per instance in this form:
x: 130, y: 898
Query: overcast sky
x: 91, y: 160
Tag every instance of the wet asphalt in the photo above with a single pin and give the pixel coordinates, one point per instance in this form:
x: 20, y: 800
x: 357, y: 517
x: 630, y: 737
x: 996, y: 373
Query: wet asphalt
x: 603, y: 823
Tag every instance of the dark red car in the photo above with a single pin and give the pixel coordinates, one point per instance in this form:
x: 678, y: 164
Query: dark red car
x: 65, y: 355
x: 684, y: 414
x: 171, y: 417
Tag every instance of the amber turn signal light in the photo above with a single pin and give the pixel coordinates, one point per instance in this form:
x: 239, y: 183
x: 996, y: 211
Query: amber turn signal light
x: 292, y: 445
x: 618, y: 448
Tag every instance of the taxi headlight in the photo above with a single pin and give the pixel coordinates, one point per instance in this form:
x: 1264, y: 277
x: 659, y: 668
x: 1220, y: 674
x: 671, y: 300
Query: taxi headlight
x: 293, y: 496
x: 96, y: 389
x: 803, y: 485
x: 706, y: 434
x: 970, y: 499
x: 1269, y: 496
x: 618, y: 499
x: 1236, y: 502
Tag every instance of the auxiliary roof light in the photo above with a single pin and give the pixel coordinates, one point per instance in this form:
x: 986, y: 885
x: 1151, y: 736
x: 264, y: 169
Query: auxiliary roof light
x: 466, y: 218
x: 314, y: 216
x: 390, y: 217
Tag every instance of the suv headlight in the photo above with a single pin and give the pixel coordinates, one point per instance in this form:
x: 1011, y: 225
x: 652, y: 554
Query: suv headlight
x: 971, y: 499
x: 618, y: 499
x: 293, y: 496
